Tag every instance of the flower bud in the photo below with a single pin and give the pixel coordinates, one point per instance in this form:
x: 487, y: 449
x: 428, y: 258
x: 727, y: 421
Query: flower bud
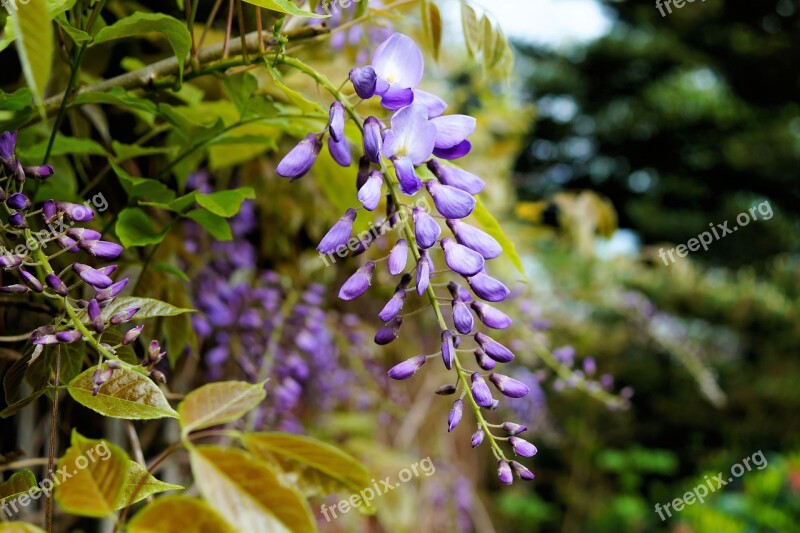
x: 158, y: 376
x: 14, y: 289
x: 336, y: 122
x: 426, y: 229
x: 123, y: 316
x: 446, y: 390
x: 513, y: 429
x: 55, y: 283
x: 373, y: 139
x: 494, y: 349
x: 491, y: 317
x: 522, y: 447
x: 475, y: 239
x: 18, y: 201
x: 34, y: 284
x: 449, y: 201
x: 76, y: 212
x: 370, y: 194
x: 18, y: 220
x: 456, y: 177
x: 398, y: 257
x: 389, y: 332
x: 49, y: 211
x: 521, y: 471
x: 424, y: 267
x: 40, y: 172
x: 407, y: 368
x: 100, y: 377
x: 358, y: 283
x: 462, y: 317
x: 394, y: 306
x: 448, y: 350
x: 8, y: 261
x: 69, y: 336
x: 455, y: 415
x: 480, y: 391
x: 477, y: 438
x: 339, y: 234
x: 95, y: 316
x: 301, y: 158
x: 364, y: 81
x: 340, y: 151
x: 483, y: 360
x: 131, y: 335
x: 504, y: 472
x: 93, y: 277
x: 509, y: 386
x: 461, y: 259
x: 487, y: 287
x: 101, y: 249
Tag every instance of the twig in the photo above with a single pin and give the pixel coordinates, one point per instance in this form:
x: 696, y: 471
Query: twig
x: 51, y: 455
x: 24, y: 463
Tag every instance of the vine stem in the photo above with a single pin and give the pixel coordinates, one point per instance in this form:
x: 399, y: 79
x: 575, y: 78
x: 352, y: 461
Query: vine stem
x: 408, y: 232
x: 51, y: 455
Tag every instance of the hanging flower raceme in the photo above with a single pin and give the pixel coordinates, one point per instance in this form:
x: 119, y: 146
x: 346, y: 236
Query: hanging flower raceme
x: 418, y: 134
x: 55, y: 223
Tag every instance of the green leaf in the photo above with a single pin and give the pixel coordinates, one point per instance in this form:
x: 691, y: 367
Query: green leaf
x: 128, y: 394
x: 469, y: 23
x: 216, y: 225
x: 72, y: 356
x: 130, y: 151
x: 179, y: 513
x: 218, y: 403
x: 148, y: 308
x: 248, y: 493
x: 492, y: 227
x: 172, y: 269
x: 489, y: 41
x: 137, y: 187
x: 285, y: 6
x: 34, y: 44
x: 62, y: 146
x: 134, y: 25
x: 297, y: 99
x: 318, y: 469
x: 13, y: 408
x: 140, y: 485
x: 226, y: 203
x: 117, y: 96
x: 135, y: 228
x: 94, y: 489
x: 19, y: 483
x: 432, y: 25
x: 77, y: 36
x: 16, y: 101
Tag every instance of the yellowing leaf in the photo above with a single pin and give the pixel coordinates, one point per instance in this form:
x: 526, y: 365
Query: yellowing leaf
x: 140, y: 485
x: 492, y: 227
x: 432, y: 24
x: 469, y: 23
x: 34, y: 44
x: 19, y: 527
x: 94, y: 489
x: 318, y: 468
x: 181, y: 514
x: 218, y: 403
x: 247, y: 492
x: 19, y: 483
x: 285, y: 6
x: 127, y: 394
x: 297, y: 99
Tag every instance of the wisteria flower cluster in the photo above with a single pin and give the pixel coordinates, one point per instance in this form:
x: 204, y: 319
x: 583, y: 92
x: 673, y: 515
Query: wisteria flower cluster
x: 418, y: 134
x: 23, y: 254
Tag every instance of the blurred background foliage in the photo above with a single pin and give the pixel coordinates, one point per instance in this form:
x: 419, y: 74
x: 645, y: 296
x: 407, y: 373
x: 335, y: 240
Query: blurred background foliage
x: 596, y: 156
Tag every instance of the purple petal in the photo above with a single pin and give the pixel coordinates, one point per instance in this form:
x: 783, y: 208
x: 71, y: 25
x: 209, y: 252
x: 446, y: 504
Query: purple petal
x: 336, y: 122
x: 407, y: 368
x: 101, y: 249
x: 456, y: 177
x: 373, y: 139
x: 504, y: 472
x: 426, y: 229
x: 483, y: 360
x: 125, y: 316
x: 82, y: 233
x: 49, y: 211
x: 398, y: 257
x: 509, y: 386
x: 409, y: 182
x: 14, y: 289
x: 477, y: 438
x: 103, y: 295
x: 339, y: 234
x: 462, y: 317
x: 363, y: 172
x: 40, y: 172
x: 398, y: 60
x: 364, y: 80
x: 340, y: 151
x: 18, y: 220
x: 301, y: 158
x: 9, y: 261
x: 389, y: 332
x: 513, y: 429
x: 358, y: 283
x: 393, y: 306
x: 521, y: 471
x: 69, y: 336
x: 55, y: 283
x: 423, y: 272
x: 8, y: 143
x: 412, y: 135
x: 456, y: 152
x: 76, y: 212
x: 461, y: 259
x: 455, y: 415
x: 68, y: 243
x: 487, y: 287
x: 370, y: 194
x: 491, y: 317
x: 18, y: 201
x: 494, y: 349
x: 433, y: 103
x: 397, y: 97
x: 480, y: 391
x: 452, y: 130
x: 522, y: 447
x: 93, y: 277
x: 131, y: 335
x: 448, y: 349
x: 449, y: 201
x: 475, y: 239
